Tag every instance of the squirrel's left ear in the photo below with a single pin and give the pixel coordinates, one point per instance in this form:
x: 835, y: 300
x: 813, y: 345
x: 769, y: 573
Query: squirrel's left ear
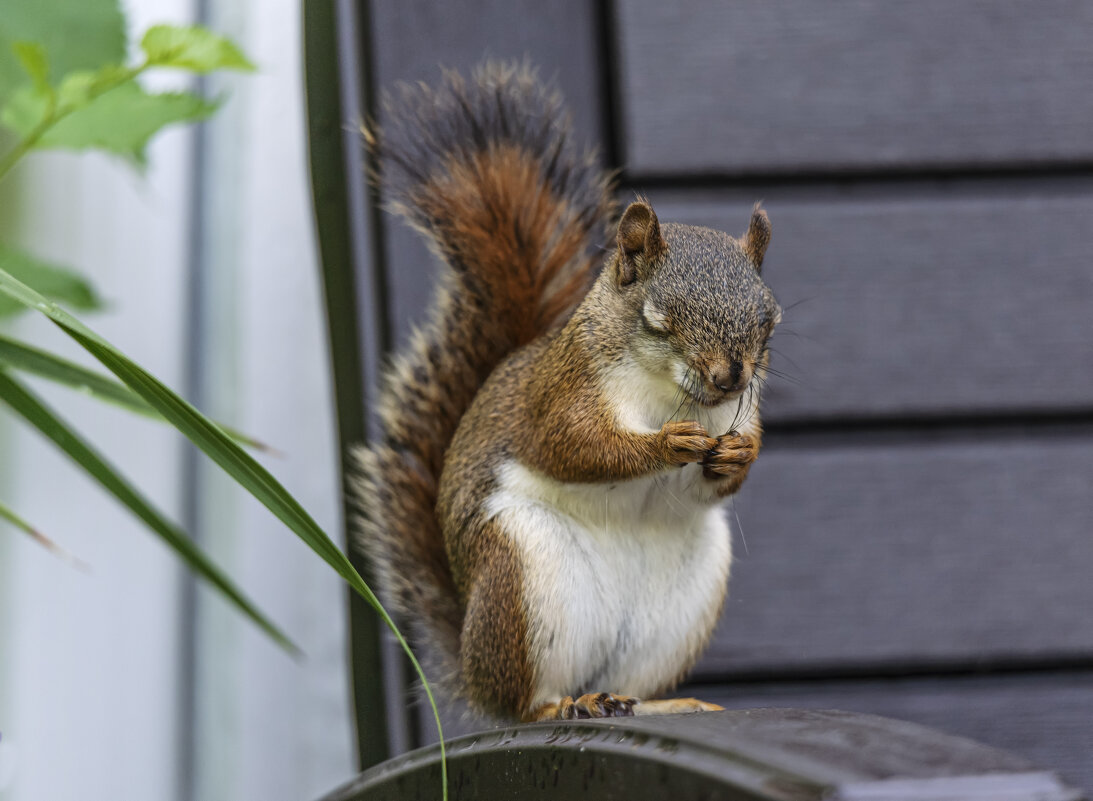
x: 639, y: 240
x: 758, y: 237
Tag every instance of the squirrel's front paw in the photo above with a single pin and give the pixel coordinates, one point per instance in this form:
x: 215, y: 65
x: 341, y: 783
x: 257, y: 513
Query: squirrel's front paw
x: 685, y: 441
x: 732, y: 454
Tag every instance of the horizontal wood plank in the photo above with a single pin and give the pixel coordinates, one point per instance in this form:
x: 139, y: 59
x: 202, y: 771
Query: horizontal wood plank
x: 416, y: 39
x: 910, y: 556
x: 753, y: 86
x: 925, y: 302
x: 928, y: 303
x: 1045, y: 718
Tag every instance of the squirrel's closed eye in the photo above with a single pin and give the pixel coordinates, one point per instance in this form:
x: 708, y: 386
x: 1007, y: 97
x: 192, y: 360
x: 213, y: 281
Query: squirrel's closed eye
x: 654, y: 319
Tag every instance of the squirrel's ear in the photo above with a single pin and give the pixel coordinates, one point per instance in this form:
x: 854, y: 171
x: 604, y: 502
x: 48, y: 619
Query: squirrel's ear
x: 639, y: 242
x: 758, y: 237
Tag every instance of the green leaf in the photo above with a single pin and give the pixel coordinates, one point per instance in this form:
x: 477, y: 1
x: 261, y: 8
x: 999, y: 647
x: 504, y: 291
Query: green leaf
x: 232, y: 459
x: 32, y: 56
x: 193, y: 48
x: 77, y: 35
x: 35, y: 412
x: 77, y: 89
x: 23, y: 357
x: 40, y: 538
x: 121, y: 120
x: 56, y: 283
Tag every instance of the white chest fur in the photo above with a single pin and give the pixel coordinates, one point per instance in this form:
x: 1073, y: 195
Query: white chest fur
x: 623, y: 581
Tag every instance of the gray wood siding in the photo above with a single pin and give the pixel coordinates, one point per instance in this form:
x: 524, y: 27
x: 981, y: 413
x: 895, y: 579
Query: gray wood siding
x: 797, y: 85
x: 927, y: 301
x: 415, y: 39
x: 924, y: 552
x: 922, y: 504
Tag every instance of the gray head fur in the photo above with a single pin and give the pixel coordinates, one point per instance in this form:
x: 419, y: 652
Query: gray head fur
x: 699, y: 298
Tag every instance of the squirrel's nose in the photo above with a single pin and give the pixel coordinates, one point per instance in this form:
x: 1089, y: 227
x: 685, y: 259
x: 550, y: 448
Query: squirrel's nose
x: 726, y: 376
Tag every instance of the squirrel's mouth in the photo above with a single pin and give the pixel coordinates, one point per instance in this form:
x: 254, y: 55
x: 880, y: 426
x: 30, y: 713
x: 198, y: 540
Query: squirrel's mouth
x: 710, y: 387
x: 710, y: 400
x: 714, y: 399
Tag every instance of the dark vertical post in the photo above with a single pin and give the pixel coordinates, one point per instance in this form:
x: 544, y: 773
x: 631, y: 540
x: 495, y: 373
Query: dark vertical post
x: 327, y: 132
x: 611, y: 119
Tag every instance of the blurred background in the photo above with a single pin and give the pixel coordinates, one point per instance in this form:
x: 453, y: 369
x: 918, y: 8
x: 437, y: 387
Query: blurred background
x: 134, y: 681
x: 915, y: 540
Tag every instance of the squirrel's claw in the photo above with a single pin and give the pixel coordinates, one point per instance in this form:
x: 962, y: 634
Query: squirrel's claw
x: 731, y: 452
x: 589, y: 705
x: 610, y: 705
x: 596, y: 705
x: 685, y: 441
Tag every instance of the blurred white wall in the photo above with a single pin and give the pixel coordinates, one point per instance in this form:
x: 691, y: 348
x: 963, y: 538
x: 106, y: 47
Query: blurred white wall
x: 120, y: 684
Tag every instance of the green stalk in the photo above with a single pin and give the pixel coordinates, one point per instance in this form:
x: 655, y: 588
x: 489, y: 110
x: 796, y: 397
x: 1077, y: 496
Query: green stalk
x: 236, y: 462
x: 7, y: 514
x: 34, y: 411
x: 55, y: 115
x: 24, y: 358
x: 23, y: 146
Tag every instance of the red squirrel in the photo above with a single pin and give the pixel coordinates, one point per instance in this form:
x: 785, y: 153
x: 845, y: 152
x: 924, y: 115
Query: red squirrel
x: 544, y: 504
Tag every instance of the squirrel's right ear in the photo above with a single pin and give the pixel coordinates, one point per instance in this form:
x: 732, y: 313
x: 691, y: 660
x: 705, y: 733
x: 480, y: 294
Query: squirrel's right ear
x: 757, y: 237
x: 639, y: 240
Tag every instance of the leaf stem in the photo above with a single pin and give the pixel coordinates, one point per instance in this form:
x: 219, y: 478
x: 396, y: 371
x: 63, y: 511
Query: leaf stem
x: 23, y: 146
x: 55, y: 115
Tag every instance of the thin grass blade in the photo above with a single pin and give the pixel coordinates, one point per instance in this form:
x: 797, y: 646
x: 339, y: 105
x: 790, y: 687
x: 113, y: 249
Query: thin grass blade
x: 207, y: 436
x: 25, y: 358
x: 32, y: 409
x: 6, y: 513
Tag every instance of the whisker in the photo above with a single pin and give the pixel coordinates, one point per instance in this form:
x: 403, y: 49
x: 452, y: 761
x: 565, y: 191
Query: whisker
x: 781, y: 355
x: 679, y: 506
x: 746, y: 402
x: 794, y: 305
x: 690, y: 377
x: 762, y: 382
x: 739, y: 527
x: 784, y: 376
x: 682, y: 400
x: 782, y: 329
x: 754, y: 405
x: 692, y: 408
x: 696, y: 480
x: 739, y: 409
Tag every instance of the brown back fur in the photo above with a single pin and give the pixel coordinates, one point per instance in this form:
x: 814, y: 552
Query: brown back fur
x: 486, y: 172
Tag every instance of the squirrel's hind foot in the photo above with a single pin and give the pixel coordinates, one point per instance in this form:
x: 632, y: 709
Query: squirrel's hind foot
x: 589, y: 705
x: 609, y: 705
x: 675, y: 706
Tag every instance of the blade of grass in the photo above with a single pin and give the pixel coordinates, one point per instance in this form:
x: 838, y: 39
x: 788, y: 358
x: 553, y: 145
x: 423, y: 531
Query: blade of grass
x: 231, y: 458
x: 32, y: 409
x: 20, y: 356
x: 250, y: 475
x: 6, y: 513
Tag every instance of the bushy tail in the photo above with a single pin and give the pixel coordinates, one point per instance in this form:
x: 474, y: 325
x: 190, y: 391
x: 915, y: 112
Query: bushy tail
x: 486, y: 171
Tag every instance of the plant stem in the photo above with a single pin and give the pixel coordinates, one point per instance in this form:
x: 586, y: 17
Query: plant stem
x: 55, y: 115
x: 21, y: 524
x: 12, y: 157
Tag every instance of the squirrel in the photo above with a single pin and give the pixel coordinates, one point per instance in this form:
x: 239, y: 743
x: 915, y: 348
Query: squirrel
x: 543, y: 505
